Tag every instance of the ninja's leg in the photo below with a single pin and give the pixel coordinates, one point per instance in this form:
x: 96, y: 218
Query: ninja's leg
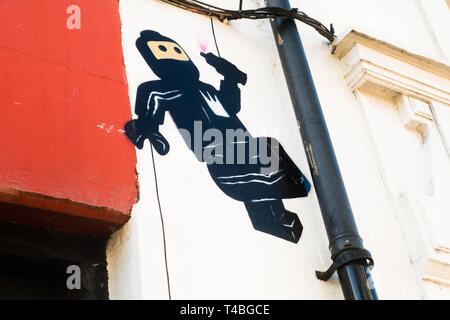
x: 271, y: 217
x: 299, y: 184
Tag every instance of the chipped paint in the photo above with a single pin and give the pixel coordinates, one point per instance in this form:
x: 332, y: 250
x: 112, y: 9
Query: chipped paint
x: 279, y: 39
x: 311, y: 160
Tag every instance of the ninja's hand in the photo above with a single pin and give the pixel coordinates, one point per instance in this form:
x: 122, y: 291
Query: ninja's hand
x: 137, y: 131
x: 225, y: 68
x: 160, y: 143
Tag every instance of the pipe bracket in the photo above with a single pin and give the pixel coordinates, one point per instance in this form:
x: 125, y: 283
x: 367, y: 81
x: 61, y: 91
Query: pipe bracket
x: 344, y: 257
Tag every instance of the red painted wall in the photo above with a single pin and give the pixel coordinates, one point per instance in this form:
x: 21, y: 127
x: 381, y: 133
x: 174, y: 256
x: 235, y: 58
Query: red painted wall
x: 63, y: 101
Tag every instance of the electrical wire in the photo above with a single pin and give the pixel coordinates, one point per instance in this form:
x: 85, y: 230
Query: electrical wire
x: 162, y: 224
x: 260, y: 13
x: 214, y: 36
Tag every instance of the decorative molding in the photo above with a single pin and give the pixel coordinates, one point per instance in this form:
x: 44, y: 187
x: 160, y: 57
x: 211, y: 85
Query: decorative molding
x: 379, y: 66
x: 415, y: 114
x: 420, y: 87
x: 437, y: 269
x: 345, y: 42
x: 441, y: 113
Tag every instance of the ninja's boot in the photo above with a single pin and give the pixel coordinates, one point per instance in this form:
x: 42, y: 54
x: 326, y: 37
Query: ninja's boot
x: 271, y: 217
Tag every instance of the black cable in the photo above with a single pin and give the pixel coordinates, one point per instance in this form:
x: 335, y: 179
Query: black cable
x: 214, y: 35
x: 162, y: 223
x: 260, y: 13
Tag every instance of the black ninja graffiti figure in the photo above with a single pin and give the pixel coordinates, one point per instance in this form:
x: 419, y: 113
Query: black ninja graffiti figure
x: 197, y: 107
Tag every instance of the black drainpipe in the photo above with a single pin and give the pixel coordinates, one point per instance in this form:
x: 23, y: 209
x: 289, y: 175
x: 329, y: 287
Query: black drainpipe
x: 350, y: 259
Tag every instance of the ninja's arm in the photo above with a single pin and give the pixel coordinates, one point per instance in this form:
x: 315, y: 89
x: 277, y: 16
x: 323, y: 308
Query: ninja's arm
x: 150, y: 110
x: 229, y: 94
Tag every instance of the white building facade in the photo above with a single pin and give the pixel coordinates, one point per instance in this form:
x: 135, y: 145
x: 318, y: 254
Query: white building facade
x: 384, y: 87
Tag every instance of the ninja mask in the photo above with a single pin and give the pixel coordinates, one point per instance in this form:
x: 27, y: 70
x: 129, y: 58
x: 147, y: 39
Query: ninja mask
x: 167, y: 59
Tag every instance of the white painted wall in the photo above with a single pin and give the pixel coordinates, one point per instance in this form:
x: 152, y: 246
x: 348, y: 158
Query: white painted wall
x: 212, y: 250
